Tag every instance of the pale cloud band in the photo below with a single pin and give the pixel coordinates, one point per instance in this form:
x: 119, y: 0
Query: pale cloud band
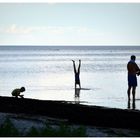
x: 58, y: 35
x: 16, y: 29
x: 42, y: 35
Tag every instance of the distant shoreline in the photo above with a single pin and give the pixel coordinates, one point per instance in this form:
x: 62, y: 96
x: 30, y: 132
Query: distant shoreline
x: 68, y: 47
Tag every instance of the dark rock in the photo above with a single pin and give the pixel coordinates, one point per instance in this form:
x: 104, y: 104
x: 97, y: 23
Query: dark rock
x: 74, y: 113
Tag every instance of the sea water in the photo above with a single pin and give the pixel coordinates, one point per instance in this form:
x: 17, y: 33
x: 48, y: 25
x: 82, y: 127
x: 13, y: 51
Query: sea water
x: 47, y: 73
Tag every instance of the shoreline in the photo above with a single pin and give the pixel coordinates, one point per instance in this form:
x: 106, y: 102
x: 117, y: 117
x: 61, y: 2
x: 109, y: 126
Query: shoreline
x: 73, y: 113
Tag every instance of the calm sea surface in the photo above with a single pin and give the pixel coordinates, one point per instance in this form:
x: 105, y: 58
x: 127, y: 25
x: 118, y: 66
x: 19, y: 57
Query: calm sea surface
x: 47, y: 73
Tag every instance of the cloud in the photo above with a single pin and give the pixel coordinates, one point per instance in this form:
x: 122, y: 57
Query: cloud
x: 17, y: 34
x: 51, y: 35
x: 16, y: 29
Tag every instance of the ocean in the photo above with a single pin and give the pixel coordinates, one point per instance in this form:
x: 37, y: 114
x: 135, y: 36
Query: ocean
x: 47, y: 73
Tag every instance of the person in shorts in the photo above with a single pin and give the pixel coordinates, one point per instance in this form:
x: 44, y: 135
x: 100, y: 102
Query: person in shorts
x: 133, y: 71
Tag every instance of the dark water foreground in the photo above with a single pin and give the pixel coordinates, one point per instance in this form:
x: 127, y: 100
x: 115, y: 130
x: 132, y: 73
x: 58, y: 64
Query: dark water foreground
x: 74, y: 113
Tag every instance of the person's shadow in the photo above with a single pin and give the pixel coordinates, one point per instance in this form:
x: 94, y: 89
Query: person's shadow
x: 77, y: 95
x: 133, y: 105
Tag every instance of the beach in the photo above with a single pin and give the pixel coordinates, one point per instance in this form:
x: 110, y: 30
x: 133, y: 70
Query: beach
x: 23, y: 123
x: 29, y: 117
x: 47, y: 73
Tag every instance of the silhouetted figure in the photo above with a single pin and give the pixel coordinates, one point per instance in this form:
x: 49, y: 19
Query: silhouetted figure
x: 133, y: 69
x: 128, y: 104
x: 77, y: 74
x: 133, y: 105
x: 16, y: 92
x: 77, y: 95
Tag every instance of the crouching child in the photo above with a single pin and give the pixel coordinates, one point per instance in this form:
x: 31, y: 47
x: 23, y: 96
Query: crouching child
x: 16, y: 92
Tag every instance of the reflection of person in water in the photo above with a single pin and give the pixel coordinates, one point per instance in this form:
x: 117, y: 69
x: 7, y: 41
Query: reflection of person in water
x: 77, y: 74
x: 77, y: 95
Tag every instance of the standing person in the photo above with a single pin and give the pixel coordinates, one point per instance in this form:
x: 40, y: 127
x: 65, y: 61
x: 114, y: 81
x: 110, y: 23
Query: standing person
x: 77, y: 74
x: 133, y: 69
x: 16, y: 92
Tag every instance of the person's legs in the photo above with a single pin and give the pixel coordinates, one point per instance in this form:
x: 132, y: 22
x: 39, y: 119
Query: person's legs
x: 133, y: 105
x: 79, y: 66
x: 79, y: 73
x: 133, y: 92
x: 128, y: 104
x: 128, y: 92
x: 74, y: 66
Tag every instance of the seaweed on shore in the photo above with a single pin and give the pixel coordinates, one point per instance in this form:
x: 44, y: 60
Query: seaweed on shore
x: 7, y: 129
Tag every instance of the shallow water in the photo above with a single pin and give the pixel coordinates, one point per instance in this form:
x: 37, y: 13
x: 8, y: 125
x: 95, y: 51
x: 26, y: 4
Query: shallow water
x: 48, y: 74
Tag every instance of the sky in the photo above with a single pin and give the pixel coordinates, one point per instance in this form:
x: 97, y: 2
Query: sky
x: 69, y: 23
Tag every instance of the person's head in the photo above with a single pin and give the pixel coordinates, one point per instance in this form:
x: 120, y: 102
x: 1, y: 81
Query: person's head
x: 22, y: 89
x: 133, y: 57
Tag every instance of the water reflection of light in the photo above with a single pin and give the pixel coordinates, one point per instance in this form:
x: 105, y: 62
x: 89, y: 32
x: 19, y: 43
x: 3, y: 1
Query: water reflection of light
x: 77, y: 95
